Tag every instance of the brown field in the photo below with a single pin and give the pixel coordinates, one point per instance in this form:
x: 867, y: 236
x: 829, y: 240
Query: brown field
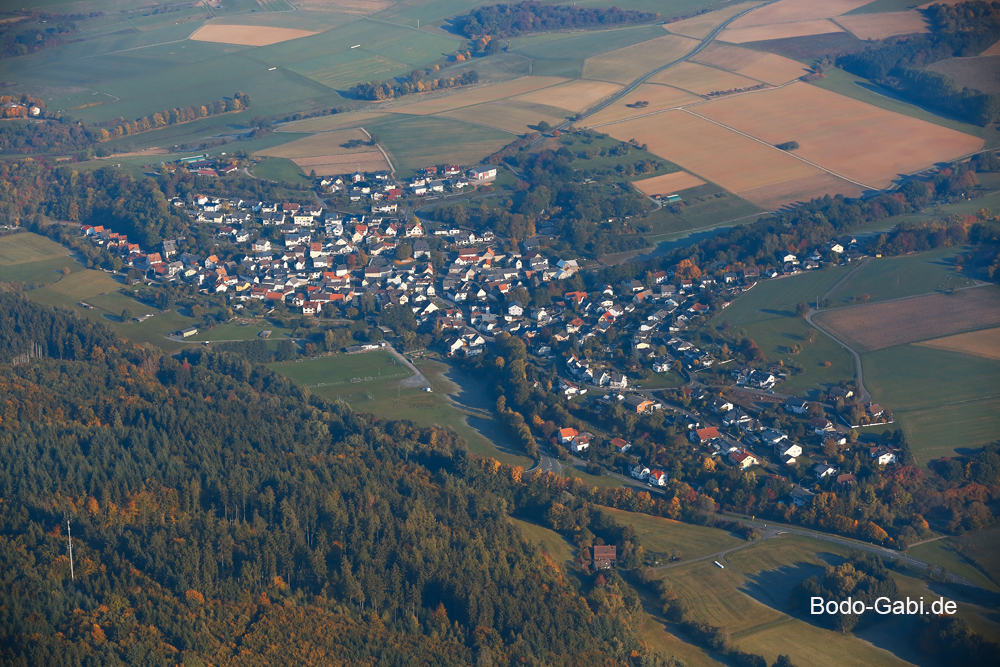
x: 880, y: 325
x: 659, y: 97
x: 509, y: 115
x: 881, y: 26
x: 668, y: 184
x: 627, y: 64
x: 772, y: 197
x: 992, y: 51
x: 334, y: 122
x: 573, y: 96
x: 734, y: 162
x: 702, y: 79
x: 364, y: 7
x: 787, y: 11
x: 981, y: 73
x: 856, y: 140
x: 701, y: 26
x: 765, y: 67
x: 468, y: 98
x: 985, y: 343
x: 324, y: 144
x: 328, y: 165
x: 246, y: 35
x: 778, y: 31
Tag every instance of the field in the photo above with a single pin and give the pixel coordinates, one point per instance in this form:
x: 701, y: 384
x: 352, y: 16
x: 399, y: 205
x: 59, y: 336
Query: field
x: 546, y: 539
x: 883, y: 26
x: 878, y: 326
x: 756, y: 171
x: 21, y: 248
x: 665, y: 535
x: 508, y: 115
x: 833, y: 131
x: 326, y: 154
x: 279, y: 169
x: 337, y: 122
x: 778, y: 31
x: 808, y: 49
x: 350, y: 373
x: 660, y: 98
x: 627, y: 64
x: 573, y: 96
x: 701, y: 26
x: 247, y: 35
x: 702, y: 79
x: 766, y: 67
x: 984, y: 343
x: 417, y: 142
x: 668, y: 183
x: 982, y: 547
x: 981, y: 73
x: 992, y: 51
x: 480, y: 95
x: 941, y: 554
x: 944, y: 401
x: 898, y: 277
x: 787, y: 11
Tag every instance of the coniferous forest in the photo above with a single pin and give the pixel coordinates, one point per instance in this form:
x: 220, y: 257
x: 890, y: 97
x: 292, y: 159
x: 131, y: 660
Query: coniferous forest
x: 222, y: 515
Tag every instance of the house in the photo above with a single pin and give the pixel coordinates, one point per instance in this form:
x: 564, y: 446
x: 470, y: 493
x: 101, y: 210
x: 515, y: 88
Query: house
x: 736, y: 417
x: 883, y: 455
x: 847, y: 479
x: 788, y: 448
x: 743, y: 459
x: 657, y: 478
x: 797, y: 405
x: 772, y: 437
x: 620, y: 444
x: 484, y: 172
x: 801, y: 496
x: 720, y: 405
x: 566, y: 435
x: 820, y: 425
x: 618, y: 381
x: 581, y: 443
x: 703, y: 435
x: 875, y: 410
x: 639, y: 404
x: 639, y: 471
x: 190, y: 331
x: 823, y: 470
x: 605, y: 556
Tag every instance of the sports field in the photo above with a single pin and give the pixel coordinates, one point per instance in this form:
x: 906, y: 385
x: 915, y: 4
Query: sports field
x: 668, y: 183
x: 984, y: 343
x: 629, y: 63
x: 778, y: 31
x: 247, y: 35
x: 659, y: 97
x: 702, y: 79
x: 858, y: 141
x: 881, y: 325
x: 883, y: 26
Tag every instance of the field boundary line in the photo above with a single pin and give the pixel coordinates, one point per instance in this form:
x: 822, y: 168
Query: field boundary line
x: 392, y: 169
x: 771, y: 146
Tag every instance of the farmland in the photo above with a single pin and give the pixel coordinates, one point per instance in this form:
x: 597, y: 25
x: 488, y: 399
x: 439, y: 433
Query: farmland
x: 883, y: 26
x: 416, y: 142
x: 21, y: 248
x: 666, y: 536
x: 978, y: 73
x: 509, y: 115
x: 982, y: 548
x: 983, y: 343
x: 898, y: 277
x: 788, y: 11
x: 246, y: 35
x: 778, y: 31
x: 765, y: 67
x: 702, y: 79
x: 483, y: 94
x: 629, y: 63
x: 660, y: 98
x: 877, y: 326
x: 668, y: 183
x: 327, y: 154
x: 701, y: 26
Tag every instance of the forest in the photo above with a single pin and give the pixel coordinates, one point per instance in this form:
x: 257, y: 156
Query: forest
x: 44, y: 136
x: 523, y: 17
x: 19, y: 38
x: 960, y: 31
x: 217, y: 510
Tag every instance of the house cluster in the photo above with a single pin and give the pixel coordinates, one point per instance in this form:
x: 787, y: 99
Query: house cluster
x: 203, y: 165
x: 844, y: 248
x: 383, y: 191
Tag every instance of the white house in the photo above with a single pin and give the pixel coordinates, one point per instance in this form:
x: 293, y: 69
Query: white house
x: 657, y: 478
x: 823, y: 470
x: 883, y: 455
x: 484, y: 172
x: 639, y: 471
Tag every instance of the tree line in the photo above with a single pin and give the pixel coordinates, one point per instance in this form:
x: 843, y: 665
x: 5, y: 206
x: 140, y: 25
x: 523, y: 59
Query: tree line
x: 389, y: 89
x: 524, y: 17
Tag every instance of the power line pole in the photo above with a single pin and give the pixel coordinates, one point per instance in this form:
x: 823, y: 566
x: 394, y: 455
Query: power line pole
x: 69, y: 535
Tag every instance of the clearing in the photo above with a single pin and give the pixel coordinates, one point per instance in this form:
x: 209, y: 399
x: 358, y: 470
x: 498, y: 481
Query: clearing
x: 628, y: 64
x: 881, y: 325
x: 702, y: 79
x: 659, y: 98
x: 883, y: 26
x: 778, y: 31
x: 984, y: 343
x: 766, y: 67
x: 855, y: 140
x: 668, y: 183
x: 246, y: 35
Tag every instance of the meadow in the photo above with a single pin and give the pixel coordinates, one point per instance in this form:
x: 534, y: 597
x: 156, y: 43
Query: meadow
x: 666, y: 535
x: 338, y: 370
x: 547, y: 540
x: 417, y: 142
x: 940, y: 553
x: 25, y: 247
x: 982, y: 547
x: 896, y: 277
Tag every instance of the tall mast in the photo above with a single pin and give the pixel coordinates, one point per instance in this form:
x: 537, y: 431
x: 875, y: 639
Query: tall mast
x: 70, y: 536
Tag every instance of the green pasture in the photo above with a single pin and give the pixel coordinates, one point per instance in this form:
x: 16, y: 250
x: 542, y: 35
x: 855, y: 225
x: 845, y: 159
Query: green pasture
x: 989, y: 183
x: 298, y: 20
x: 416, y: 142
x: 981, y: 547
x: 279, y: 169
x: 229, y: 331
x: 778, y: 298
x: 704, y: 206
x: 862, y: 89
x: 897, y: 277
x: 665, y: 535
x: 42, y: 272
x: 26, y: 247
x: 546, y: 539
x: 599, y: 481
x: 944, y: 401
x: 340, y: 369
x: 652, y: 631
x: 563, y: 53
x: 939, y: 553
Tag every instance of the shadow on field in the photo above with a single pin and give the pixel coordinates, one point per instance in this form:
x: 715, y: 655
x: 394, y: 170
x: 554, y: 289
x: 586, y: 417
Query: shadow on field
x: 774, y: 587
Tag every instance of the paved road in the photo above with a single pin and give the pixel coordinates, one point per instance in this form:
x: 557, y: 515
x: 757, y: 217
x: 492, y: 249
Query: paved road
x: 859, y: 370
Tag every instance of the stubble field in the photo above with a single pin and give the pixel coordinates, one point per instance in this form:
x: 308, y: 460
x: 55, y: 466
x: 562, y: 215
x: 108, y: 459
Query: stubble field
x: 778, y: 31
x: 480, y: 95
x: 701, y: 26
x: 985, y: 343
x: 326, y: 155
x: 627, y: 64
x: 659, y: 97
x: 766, y: 67
x: 787, y: 11
x: 883, y: 26
x: 702, y: 79
x: 246, y: 35
x: 668, y: 183
x: 877, y: 326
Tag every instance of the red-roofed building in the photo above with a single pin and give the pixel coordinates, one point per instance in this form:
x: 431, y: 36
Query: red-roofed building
x: 566, y: 435
x: 704, y: 434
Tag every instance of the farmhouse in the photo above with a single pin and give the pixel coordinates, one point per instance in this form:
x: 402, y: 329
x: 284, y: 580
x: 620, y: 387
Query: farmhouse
x: 605, y: 556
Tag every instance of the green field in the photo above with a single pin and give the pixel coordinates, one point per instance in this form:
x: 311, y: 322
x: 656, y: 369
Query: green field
x: 944, y: 401
x: 778, y: 298
x: 939, y: 553
x: 26, y: 247
x: 562, y: 54
x: 704, y: 207
x: 279, y: 169
x: 897, y: 277
x: 652, y: 631
x: 548, y: 540
x: 665, y: 535
x: 848, y: 84
x: 413, y: 143
x: 339, y: 369
x: 989, y: 182
x: 982, y: 547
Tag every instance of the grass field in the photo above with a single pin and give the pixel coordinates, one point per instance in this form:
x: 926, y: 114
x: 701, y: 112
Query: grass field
x: 939, y: 553
x: 512, y: 116
x: 340, y: 369
x: 665, y: 535
x: 879, y: 6
x: 982, y: 547
x: 629, y: 63
x: 520, y: 88
x: 705, y: 206
x: 440, y: 141
x: 548, y: 540
x: 652, y: 631
x: 896, y: 277
x: 22, y: 247
x: 280, y: 169
x: 983, y: 343
x: 945, y: 402
x: 778, y: 298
